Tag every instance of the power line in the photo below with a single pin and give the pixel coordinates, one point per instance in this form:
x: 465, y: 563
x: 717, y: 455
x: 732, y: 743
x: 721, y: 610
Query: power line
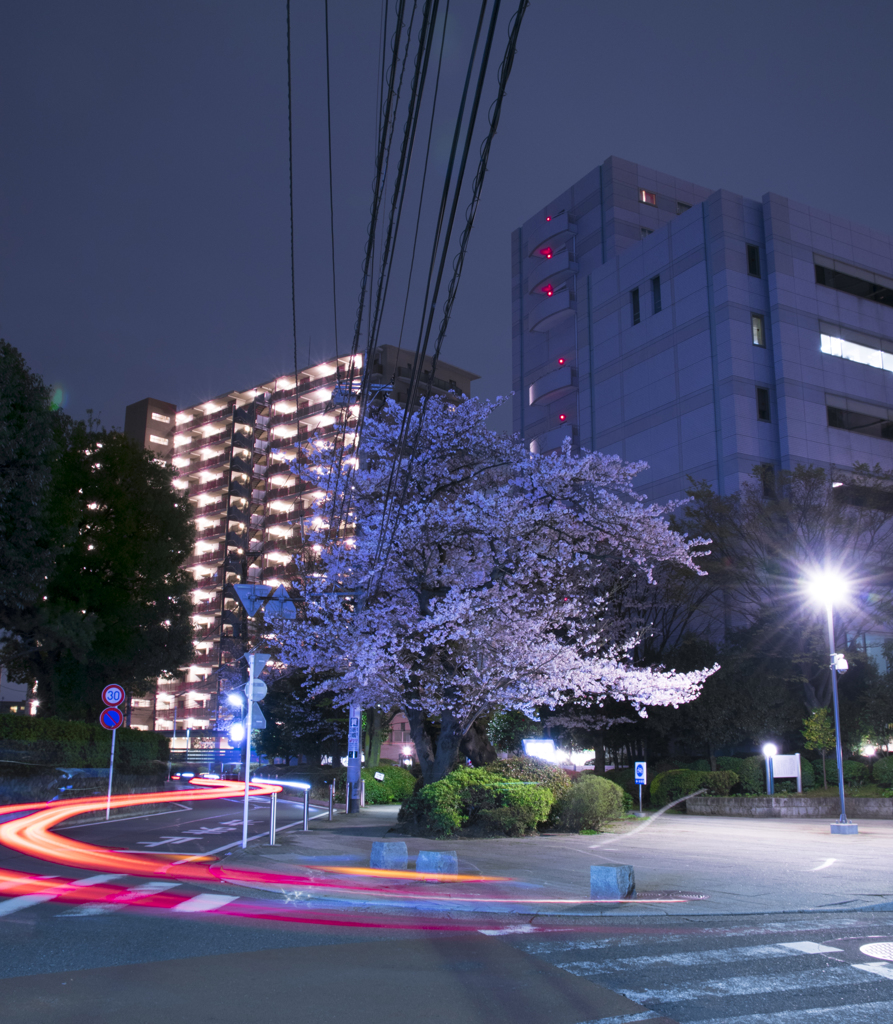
x: 331, y: 190
x: 291, y: 192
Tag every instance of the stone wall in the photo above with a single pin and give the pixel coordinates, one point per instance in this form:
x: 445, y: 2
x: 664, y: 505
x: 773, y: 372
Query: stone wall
x: 790, y: 806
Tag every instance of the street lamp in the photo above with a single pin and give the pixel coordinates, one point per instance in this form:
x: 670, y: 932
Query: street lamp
x: 769, y: 751
x: 827, y: 587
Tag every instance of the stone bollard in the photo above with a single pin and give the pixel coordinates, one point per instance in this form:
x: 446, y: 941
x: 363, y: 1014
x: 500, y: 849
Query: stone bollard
x: 435, y: 862
x: 611, y: 882
x: 392, y: 856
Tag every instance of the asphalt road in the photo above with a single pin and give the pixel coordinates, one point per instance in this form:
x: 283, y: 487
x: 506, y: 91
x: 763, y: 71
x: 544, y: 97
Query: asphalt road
x: 192, y: 960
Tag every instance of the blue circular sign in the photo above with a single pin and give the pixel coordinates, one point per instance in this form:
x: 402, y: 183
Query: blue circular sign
x: 111, y: 718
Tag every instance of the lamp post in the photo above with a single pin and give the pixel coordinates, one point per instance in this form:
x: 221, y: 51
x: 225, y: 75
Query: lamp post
x: 769, y: 751
x: 826, y: 587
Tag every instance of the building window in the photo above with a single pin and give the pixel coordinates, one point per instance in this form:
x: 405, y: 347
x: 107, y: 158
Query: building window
x: 753, y: 261
x: 682, y: 207
x: 767, y: 476
x: 853, y: 285
x: 844, y: 349
x: 655, y: 293
x: 159, y: 418
x: 879, y: 425
x: 647, y: 197
x: 758, y: 330
x: 645, y: 232
x: 634, y: 299
x: 155, y: 439
x: 763, y: 405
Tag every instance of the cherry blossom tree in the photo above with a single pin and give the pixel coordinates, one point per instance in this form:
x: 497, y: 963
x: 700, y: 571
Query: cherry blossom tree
x: 481, y: 577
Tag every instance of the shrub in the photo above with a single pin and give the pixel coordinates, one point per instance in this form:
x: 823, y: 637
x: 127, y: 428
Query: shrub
x: 718, y: 783
x: 532, y: 769
x: 752, y: 776
x: 397, y: 786
x: 882, y: 771
x: 854, y: 773
x: 468, y: 796
x: 591, y: 802
x: 731, y: 764
x: 625, y: 778
x: 670, y: 786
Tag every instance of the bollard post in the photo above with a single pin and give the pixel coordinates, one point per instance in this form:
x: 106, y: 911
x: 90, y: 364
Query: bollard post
x: 331, y: 801
x: 273, y: 819
x: 306, y: 810
x: 362, y: 792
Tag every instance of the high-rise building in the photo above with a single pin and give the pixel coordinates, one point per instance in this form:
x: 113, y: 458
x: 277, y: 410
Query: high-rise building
x: 701, y: 331
x: 240, y: 462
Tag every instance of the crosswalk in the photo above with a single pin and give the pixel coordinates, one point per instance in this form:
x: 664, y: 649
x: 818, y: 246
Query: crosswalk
x: 712, y: 979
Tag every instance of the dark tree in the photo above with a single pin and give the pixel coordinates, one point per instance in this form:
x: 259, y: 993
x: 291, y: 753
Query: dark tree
x: 116, y: 607
x: 299, y: 725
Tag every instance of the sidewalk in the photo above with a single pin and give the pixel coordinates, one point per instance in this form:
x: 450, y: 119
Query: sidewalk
x: 684, y: 865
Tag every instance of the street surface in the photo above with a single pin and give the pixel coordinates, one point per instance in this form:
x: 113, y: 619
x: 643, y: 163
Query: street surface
x: 159, y: 951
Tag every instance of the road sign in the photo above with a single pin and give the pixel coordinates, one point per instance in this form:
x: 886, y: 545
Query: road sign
x: 641, y: 773
x: 113, y: 695
x: 111, y: 718
x: 257, y: 718
x: 256, y: 689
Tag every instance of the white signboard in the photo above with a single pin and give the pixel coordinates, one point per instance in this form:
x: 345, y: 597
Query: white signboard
x: 641, y: 773
x: 787, y: 766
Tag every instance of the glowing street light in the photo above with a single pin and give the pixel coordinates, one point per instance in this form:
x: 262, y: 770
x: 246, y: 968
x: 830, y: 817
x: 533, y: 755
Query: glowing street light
x: 828, y: 587
x: 769, y: 751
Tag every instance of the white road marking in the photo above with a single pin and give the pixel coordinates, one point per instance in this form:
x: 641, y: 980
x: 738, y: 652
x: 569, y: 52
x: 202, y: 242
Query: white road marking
x: 97, y: 879
x: 733, y: 954
x: 851, y: 1013
x: 627, y: 1018
x: 202, y: 903
x: 11, y: 906
x: 259, y: 835
x: 881, y: 970
x: 746, y: 985
x: 120, y: 901
x: 827, y: 864
x: 514, y: 929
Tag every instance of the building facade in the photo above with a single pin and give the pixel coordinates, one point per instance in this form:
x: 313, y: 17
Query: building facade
x: 703, y: 332
x: 240, y: 462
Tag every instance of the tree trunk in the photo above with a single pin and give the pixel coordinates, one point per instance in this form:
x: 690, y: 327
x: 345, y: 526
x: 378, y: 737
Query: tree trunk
x: 435, y: 760
x: 824, y: 772
x: 599, y: 766
x: 711, y: 753
x: 376, y: 723
x: 476, y: 746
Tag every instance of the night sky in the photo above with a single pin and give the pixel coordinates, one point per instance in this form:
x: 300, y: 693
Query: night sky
x: 144, y: 233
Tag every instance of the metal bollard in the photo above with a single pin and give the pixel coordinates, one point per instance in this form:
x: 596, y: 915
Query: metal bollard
x: 362, y: 792
x: 273, y: 819
x: 306, y: 810
x: 331, y: 801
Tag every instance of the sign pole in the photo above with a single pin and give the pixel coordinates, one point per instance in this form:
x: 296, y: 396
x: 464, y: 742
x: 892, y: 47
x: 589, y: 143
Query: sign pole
x: 108, y: 799
x: 352, y: 797
x: 247, y: 755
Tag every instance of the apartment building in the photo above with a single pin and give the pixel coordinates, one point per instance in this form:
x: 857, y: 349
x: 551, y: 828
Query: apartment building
x: 240, y: 461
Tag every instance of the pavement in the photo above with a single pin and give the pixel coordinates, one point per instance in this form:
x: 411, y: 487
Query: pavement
x: 684, y: 864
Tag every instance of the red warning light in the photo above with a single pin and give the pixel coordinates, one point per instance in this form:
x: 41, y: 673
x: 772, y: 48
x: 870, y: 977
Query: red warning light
x: 549, y: 290
x: 562, y: 418
x: 548, y: 218
x: 561, y: 362
x: 546, y: 252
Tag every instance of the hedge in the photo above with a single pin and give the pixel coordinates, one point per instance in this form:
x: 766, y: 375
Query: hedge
x: 882, y: 772
x: 591, y: 803
x: 476, y: 796
x: 854, y: 772
x: 532, y: 769
x: 674, y: 785
x: 56, y: 743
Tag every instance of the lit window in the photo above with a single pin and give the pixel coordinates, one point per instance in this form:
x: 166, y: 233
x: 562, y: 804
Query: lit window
x: 857, y: 353
x: 155, y: 439
x: 159, y: 418
x: 758, y: 330
x: 763, y: 412
x: 753, y: 261
x: 647, y: 197
x: 634, y: 300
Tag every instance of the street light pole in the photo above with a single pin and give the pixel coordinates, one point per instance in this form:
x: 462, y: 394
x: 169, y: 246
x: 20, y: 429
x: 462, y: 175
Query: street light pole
x: 829, y: 607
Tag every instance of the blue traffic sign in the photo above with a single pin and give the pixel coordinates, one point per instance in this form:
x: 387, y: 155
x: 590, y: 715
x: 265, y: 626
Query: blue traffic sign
x: 640, y: 773
x: 111, y: 718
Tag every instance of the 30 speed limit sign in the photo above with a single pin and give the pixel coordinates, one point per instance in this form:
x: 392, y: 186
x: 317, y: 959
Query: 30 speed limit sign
x: 113, y: 695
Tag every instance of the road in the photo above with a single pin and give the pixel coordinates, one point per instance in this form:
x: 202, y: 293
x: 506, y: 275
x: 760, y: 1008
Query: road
x: 163, y: 951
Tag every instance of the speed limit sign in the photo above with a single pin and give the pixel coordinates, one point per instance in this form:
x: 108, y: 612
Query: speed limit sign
x: 113, y: 695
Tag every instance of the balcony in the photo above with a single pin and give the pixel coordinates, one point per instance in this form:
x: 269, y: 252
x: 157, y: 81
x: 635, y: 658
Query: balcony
x: 551, y: 233
x: 554, y: 271
x: 554, y: 385
x: 551, y: 312
x: 554, y: 439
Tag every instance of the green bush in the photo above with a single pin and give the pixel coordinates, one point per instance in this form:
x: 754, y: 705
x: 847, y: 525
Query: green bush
x: 718, y: 783
x: 532, y: 769
x: 469, y: 796
x: 854, y: 772
x: 752, y: 776
x: 882, y: 771
x: 625, y: 778
x: 670, y: 786
x: 57, y: 743
x: 397, y: 786
x: 590, y: 804
x: 731, y: 764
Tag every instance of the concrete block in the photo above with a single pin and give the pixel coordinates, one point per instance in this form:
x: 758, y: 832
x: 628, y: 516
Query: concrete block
x: 438, y: 862
x: 391, y: 856
x: 839, y: 829
x: 612, y: 881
